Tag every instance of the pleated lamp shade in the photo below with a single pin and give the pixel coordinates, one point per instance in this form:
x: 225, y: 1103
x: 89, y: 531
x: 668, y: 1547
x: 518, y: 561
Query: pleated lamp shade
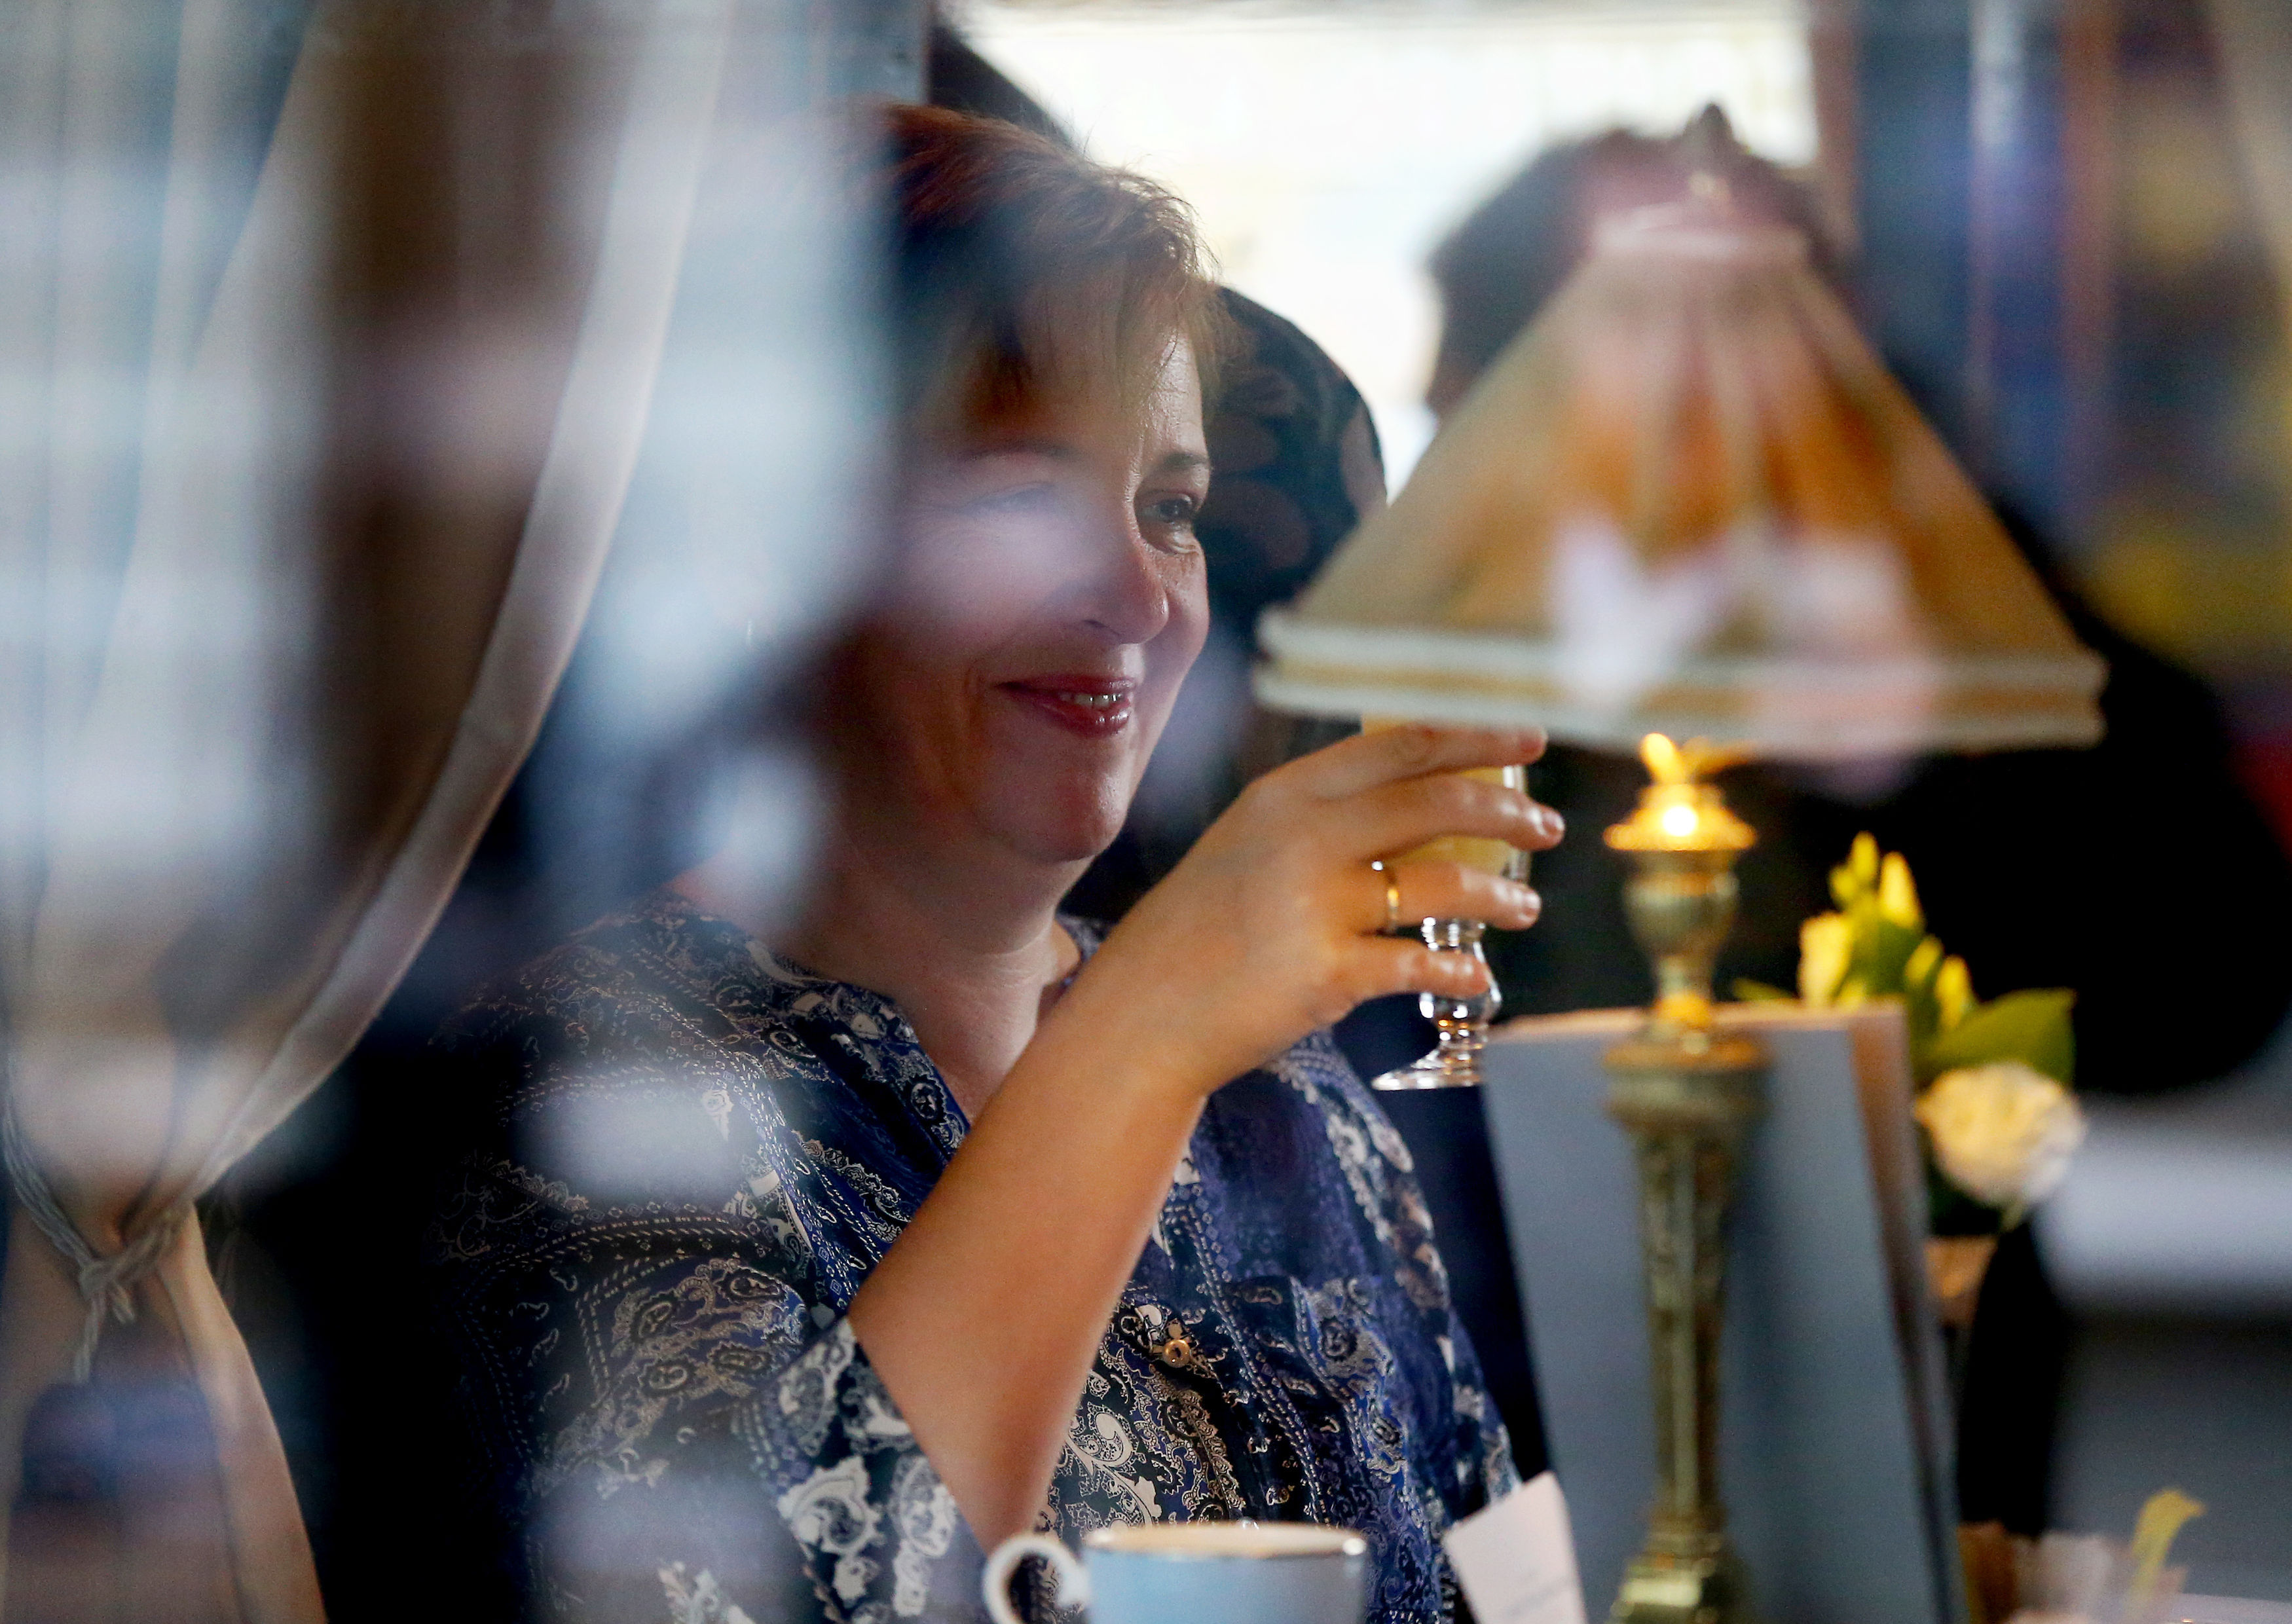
x: 1689, y: 500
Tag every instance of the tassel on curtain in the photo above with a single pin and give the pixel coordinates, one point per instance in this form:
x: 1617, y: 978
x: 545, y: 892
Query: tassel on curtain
x: 320, y: 395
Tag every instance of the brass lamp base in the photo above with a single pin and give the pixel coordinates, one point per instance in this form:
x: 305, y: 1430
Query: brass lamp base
x: 1686, y: 1110
x: 1686, y: 1094
x: 1689, y: 1590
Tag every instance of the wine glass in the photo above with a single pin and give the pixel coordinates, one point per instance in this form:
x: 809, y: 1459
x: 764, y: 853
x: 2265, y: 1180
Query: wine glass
x: 1462, y: 1025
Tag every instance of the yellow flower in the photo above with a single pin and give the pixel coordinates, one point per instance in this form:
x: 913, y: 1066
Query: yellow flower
x: 1953, y: 992
x: 2004, y: 1134
x: 1825, y: 945
x: 1898, y: 899
x: 1852, y: 879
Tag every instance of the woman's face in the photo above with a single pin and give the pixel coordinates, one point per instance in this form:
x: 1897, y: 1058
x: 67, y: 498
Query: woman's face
x: 1050, y: 599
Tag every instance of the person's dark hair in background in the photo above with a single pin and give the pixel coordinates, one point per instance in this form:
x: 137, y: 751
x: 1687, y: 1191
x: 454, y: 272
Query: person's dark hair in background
x: 1495, y: 270
x: 958, y: 79
x: 2013, y: 865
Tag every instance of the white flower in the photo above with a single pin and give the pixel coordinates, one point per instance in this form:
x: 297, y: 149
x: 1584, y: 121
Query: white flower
x: 2004, y: 1134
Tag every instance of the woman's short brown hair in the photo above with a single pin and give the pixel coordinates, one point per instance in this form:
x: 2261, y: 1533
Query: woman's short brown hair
x: 1023, y: 271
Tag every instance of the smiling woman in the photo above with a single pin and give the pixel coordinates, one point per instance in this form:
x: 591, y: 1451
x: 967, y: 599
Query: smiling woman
x: 1098, y: 497
x: 1057, y: 330
x: 793, y: 1257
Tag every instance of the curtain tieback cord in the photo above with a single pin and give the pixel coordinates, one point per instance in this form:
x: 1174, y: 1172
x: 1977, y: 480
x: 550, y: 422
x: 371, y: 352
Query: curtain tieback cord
x: 105, y: 1283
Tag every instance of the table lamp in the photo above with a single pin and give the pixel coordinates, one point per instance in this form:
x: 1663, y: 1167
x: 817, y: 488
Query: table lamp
x: 1689, y: 503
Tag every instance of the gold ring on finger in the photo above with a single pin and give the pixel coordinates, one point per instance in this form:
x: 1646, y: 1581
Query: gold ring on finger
x: 1392, y: 919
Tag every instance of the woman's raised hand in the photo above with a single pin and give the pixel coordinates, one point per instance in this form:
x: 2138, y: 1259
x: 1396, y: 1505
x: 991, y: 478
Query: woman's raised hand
x: 1273, y: 925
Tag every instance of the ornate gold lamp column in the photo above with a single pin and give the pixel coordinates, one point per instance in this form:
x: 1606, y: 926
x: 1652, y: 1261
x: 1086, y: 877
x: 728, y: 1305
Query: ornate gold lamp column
x: 1686, y: 1094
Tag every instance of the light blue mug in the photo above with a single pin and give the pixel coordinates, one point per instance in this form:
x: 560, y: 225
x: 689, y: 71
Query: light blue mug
x: 1197, y: 1573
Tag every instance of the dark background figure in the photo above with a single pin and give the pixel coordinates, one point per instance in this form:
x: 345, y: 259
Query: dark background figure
x: 1496, y: 270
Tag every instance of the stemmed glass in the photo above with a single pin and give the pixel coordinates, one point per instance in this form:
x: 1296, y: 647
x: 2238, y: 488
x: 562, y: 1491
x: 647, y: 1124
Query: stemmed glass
x: 1462, y: 1025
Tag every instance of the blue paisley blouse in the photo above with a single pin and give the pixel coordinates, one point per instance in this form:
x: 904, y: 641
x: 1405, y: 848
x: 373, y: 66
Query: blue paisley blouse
x: 687, y: 1156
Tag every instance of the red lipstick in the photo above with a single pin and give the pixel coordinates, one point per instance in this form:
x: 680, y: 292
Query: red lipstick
x: 1095, y: 706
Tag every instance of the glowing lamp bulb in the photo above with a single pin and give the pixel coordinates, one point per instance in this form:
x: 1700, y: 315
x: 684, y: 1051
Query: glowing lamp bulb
x: 1678, y: 821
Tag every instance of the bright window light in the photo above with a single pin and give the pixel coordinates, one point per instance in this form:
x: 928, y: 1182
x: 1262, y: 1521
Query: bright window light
x: 1328, y: 152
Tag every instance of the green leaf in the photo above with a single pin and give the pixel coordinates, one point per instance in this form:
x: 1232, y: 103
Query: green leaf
x: 1919, y: 1006
x: 2031, y: 1027
x: 1883, y: 953
x: 1749, y: 991
x: 1924, y: 964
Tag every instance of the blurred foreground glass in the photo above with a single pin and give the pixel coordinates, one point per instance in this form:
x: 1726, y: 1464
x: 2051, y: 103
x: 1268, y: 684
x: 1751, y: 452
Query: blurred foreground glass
x: 339, y: 345
x: 1688, y: 501
x: 1461, y: 1025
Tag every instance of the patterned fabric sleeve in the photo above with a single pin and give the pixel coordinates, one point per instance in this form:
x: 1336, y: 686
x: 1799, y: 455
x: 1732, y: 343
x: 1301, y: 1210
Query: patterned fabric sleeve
x: 678, y: 1423
x: 876, y: 1524
x: 1485, y: 1469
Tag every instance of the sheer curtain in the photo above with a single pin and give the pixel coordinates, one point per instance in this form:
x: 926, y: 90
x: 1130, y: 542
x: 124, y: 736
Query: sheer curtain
x: 329, y: 339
